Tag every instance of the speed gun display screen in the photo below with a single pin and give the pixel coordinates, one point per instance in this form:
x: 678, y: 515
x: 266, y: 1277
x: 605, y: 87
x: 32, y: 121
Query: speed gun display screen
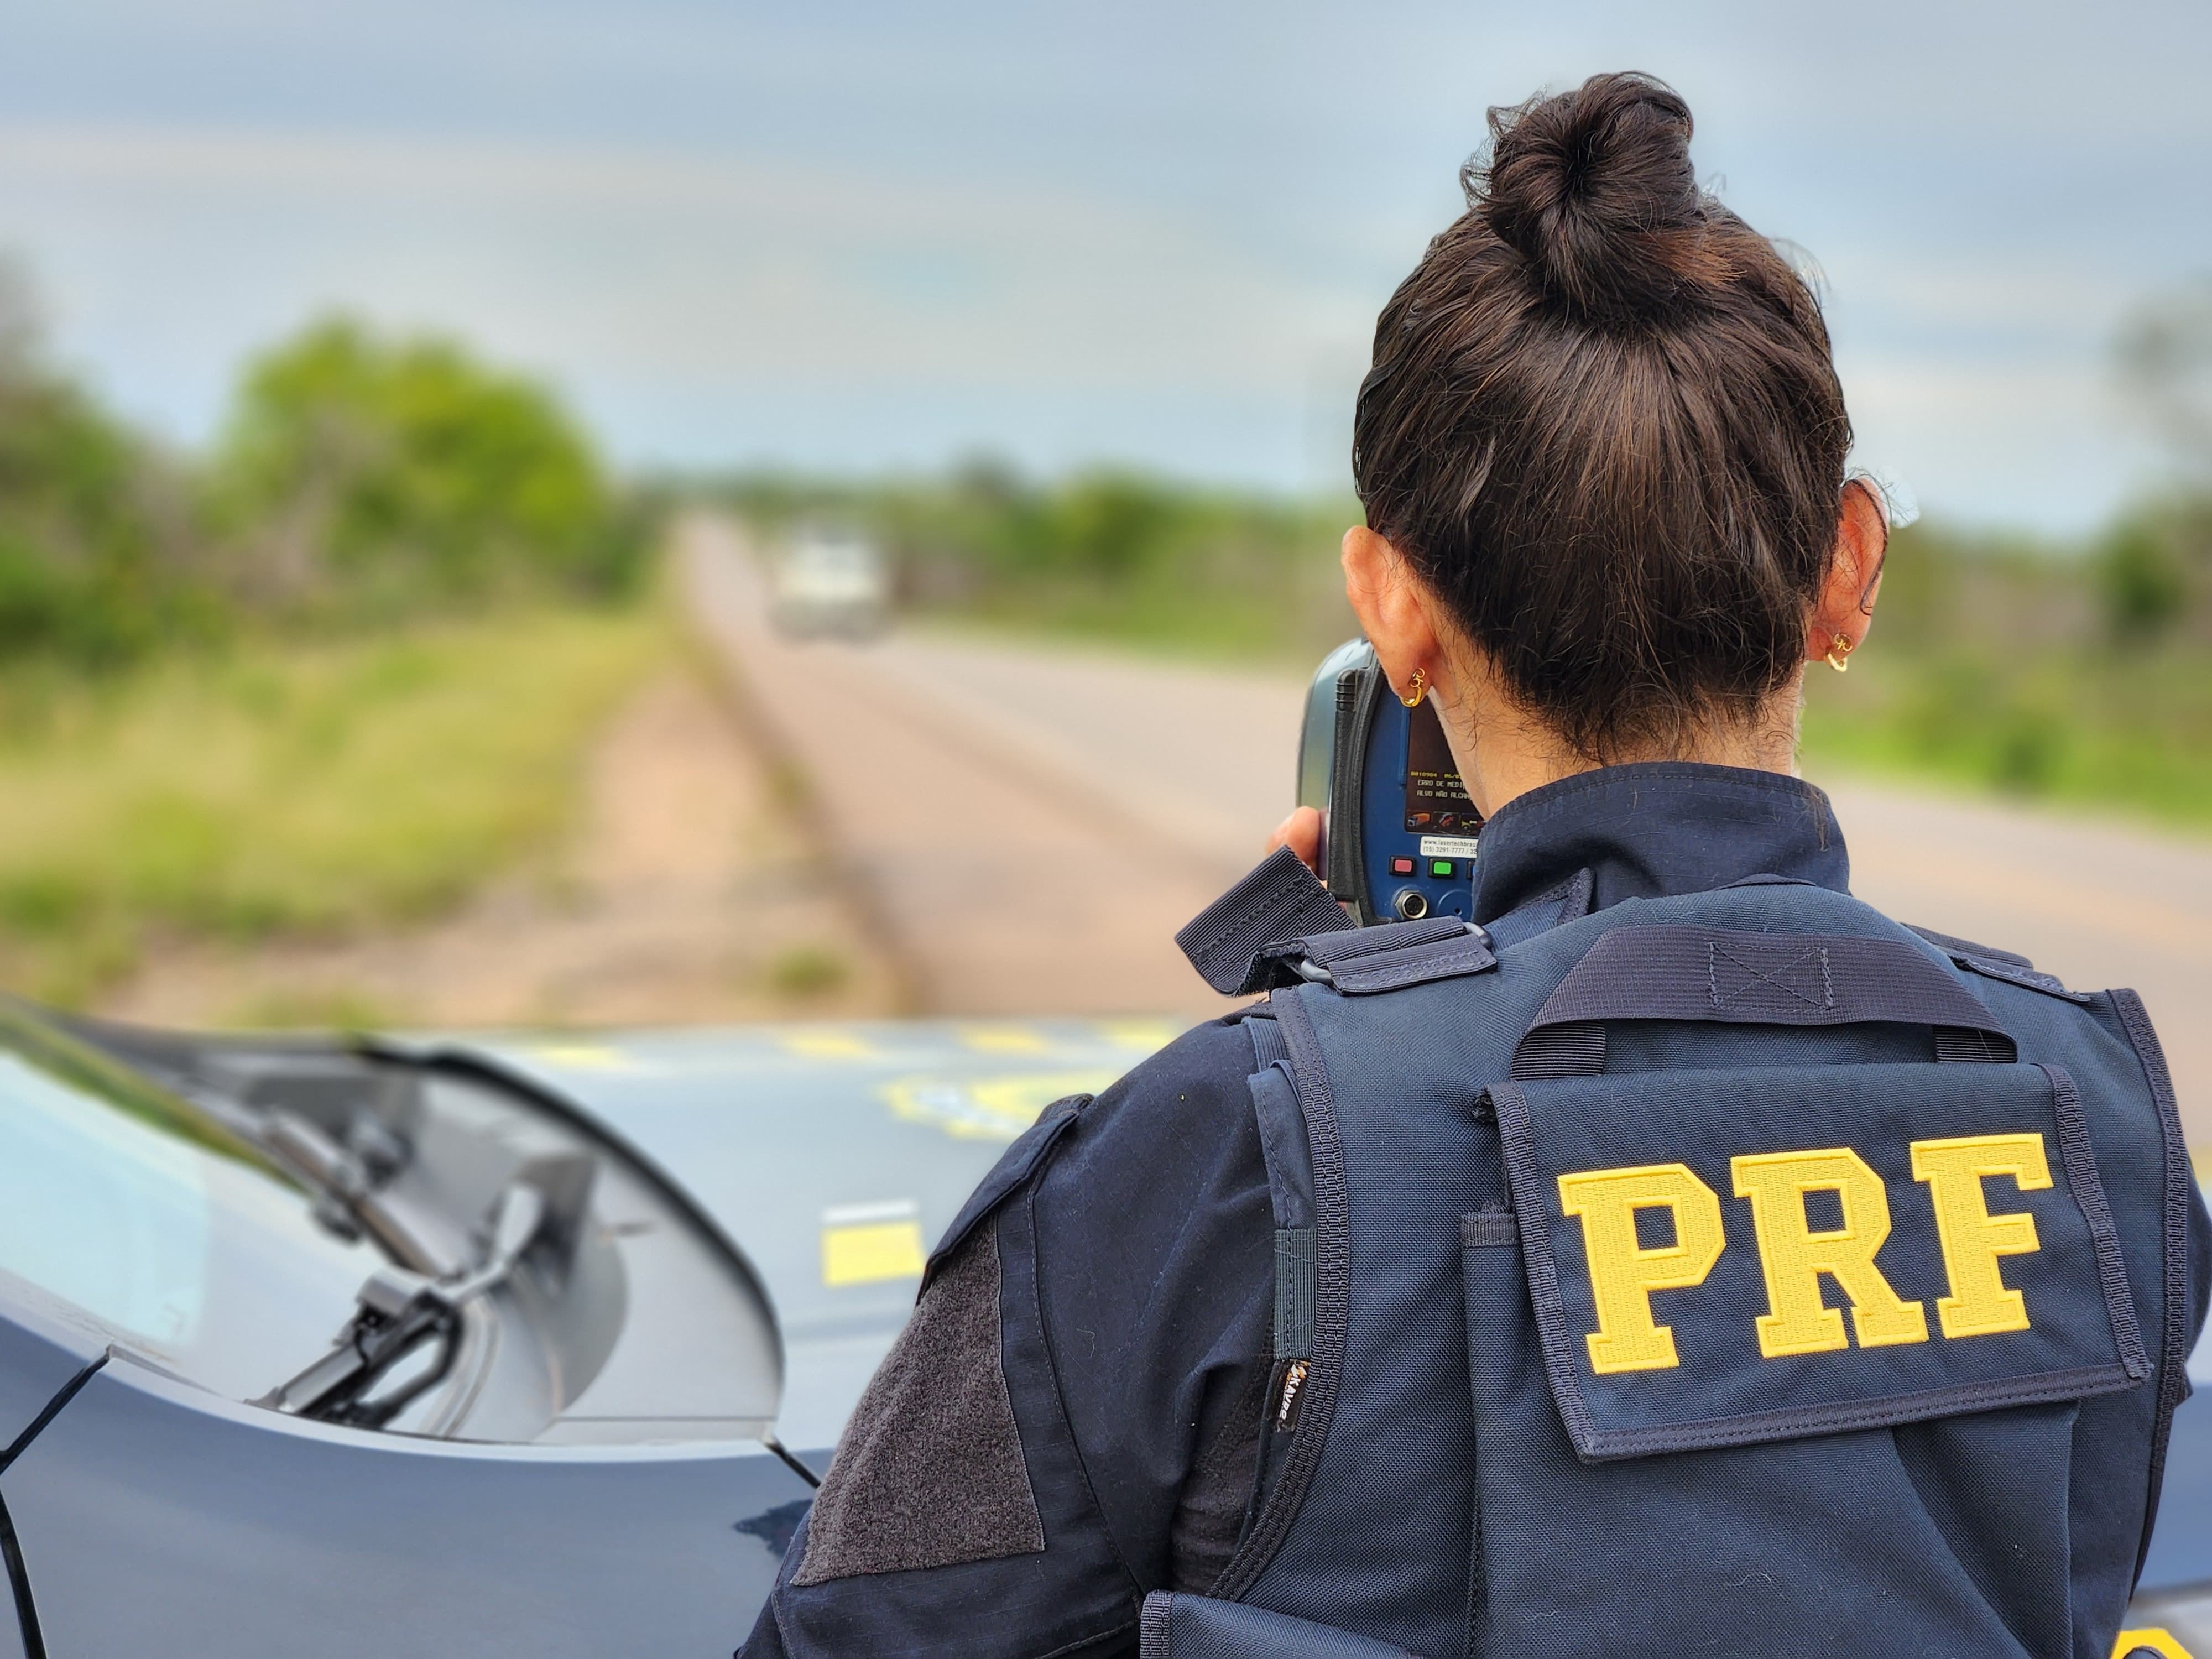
x: 1421, y: 834
x: 1437, y: 802
x: 1399, y: 830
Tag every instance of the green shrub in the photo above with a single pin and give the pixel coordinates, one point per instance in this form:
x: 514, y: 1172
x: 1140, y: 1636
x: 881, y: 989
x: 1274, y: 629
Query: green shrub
x: 95, y: 555
x: 389, y: 476
x: 2142, y: 580
x: 808, y: 970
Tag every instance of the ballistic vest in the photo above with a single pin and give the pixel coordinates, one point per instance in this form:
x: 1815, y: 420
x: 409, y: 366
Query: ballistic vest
x: 1738, y: 1273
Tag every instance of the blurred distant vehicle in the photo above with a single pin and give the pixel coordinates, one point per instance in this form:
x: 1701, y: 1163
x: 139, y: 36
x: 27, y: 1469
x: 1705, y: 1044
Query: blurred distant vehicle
x: 830, y: 585
x: 363, y: 1348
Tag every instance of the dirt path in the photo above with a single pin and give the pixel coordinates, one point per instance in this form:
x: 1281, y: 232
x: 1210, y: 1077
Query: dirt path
x: 689, y: 893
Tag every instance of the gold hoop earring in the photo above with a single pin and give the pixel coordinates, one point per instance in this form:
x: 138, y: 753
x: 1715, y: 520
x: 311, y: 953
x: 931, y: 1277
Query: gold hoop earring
x: 1839, y: 652
x: 1420, y: 688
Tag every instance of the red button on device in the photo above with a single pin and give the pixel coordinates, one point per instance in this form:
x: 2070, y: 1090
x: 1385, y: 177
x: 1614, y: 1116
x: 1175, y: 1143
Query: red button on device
x: 1401, y: 866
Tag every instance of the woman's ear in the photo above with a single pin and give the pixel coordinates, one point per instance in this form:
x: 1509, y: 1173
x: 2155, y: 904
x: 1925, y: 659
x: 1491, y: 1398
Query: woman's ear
x: 1845, y: 610
x: 1393, y: 609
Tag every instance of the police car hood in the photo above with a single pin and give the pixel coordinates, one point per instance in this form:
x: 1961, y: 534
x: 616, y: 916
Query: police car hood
x: 833, y: 1156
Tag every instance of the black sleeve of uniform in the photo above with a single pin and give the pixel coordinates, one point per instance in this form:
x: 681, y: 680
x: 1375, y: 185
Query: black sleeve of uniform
x: 1008, y: 1483
x: 1156, y: 1253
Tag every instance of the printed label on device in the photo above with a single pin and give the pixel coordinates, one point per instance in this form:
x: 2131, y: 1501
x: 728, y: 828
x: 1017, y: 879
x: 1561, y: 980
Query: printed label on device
x: 1448, y: 847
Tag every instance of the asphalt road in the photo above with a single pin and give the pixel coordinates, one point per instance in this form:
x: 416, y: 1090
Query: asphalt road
x: 1033, y: 823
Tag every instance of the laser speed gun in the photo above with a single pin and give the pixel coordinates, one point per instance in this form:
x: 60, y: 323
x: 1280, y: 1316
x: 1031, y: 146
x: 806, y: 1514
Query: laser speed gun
x: 1398, y: 831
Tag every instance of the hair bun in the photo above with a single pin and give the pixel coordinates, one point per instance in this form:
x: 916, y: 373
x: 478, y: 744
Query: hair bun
x: 1594, y: 189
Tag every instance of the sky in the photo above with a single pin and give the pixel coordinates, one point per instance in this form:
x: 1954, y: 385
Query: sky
x: 853, y: 236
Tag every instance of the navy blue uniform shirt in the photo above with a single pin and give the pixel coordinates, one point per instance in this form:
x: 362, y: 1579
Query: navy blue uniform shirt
x: 1073, y: 1417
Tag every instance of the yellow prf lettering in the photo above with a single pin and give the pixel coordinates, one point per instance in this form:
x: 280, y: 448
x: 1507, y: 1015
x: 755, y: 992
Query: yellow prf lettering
x: 1972, y: 1238
x: 1623, y: 1273
x: 1793, y: 1257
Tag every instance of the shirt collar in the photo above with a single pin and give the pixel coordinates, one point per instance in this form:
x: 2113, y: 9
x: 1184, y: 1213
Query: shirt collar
x: 1655, y: 828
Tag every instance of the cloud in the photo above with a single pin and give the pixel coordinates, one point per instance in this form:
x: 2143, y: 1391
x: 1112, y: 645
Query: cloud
x: 697, y: 267
x: 869, y: 232
x: 2021, y: 442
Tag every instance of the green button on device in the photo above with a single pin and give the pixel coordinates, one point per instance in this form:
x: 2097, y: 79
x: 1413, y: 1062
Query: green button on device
x: 1441, y: 869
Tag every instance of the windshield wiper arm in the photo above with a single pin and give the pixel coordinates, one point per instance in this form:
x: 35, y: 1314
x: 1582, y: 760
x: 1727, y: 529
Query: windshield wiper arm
x: 397, y: 1312
x: 339, y: 1180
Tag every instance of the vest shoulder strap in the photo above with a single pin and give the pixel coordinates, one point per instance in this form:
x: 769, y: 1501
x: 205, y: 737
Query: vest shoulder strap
x: 1277, y: 899
x: 1284, y: 1147
x: 1279, y: 925
x: 1992, y: 964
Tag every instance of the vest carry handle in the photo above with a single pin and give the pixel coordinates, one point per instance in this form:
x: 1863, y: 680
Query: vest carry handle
x: 1718, y: 975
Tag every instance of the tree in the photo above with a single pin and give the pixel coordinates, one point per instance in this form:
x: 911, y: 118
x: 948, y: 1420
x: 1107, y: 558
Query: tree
x: 399, y: 474
x: 2165, y: 356
x: 92, y: 524
x: 2142, y: 577
x: 2156, y: 566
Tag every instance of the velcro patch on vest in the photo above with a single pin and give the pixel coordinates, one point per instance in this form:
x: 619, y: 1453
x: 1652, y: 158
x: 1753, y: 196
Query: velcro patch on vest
x: 1722, y: 1258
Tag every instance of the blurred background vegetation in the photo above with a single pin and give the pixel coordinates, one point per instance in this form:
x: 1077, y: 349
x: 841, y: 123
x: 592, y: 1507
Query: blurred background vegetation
x: 338, y: 670
x: 2077, y: 671
x: 2080, y: 672
x: 335, y: 672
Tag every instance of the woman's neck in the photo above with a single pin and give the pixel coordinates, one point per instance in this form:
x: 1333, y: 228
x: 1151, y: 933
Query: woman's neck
x: 1504, y: 751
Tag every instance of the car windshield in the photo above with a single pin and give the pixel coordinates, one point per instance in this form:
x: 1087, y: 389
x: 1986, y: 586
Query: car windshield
x: 130, y: 1206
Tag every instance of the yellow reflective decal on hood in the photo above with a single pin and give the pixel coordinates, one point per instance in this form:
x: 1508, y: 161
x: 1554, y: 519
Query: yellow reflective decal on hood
x: 988, y: 1108
x: 868, y: 1243
x: 583, y: 1056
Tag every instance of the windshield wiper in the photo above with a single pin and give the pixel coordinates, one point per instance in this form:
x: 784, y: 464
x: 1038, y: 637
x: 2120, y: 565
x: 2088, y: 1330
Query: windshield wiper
x: 396, y: 1314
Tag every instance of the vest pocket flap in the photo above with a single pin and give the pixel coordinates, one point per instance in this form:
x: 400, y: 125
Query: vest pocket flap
x: 1721, y: 1258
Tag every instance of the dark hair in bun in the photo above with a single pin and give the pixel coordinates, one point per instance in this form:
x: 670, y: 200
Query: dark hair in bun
x: 1604, y: 424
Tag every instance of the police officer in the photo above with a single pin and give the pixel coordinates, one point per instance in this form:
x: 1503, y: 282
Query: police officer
x: 1686, y: 1259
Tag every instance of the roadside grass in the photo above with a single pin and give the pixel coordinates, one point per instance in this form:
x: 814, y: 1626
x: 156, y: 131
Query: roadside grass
x: 2124, y: 731
x: 310, y: 788
x: 802, y: 971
